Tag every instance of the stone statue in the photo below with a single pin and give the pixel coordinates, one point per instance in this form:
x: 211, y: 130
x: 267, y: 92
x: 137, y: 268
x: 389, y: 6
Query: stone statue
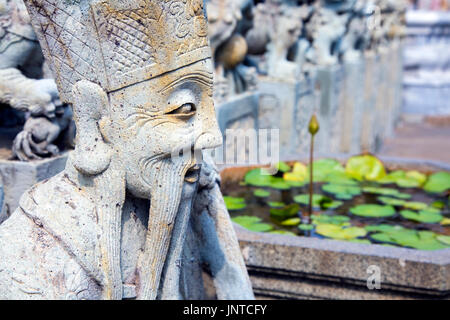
x: 276, y: 28
x: 352, y: 43
x: 323, y: 31
x: 229, y: 48
x: 137, y: 213
x: 22, y: 86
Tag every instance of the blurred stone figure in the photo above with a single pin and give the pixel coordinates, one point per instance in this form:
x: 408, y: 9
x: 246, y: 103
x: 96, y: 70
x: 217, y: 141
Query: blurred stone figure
x: 135, y: 214
x: 22, y: 87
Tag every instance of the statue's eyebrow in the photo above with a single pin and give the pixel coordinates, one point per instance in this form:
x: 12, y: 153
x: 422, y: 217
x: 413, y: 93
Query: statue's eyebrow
x: 204, y: 78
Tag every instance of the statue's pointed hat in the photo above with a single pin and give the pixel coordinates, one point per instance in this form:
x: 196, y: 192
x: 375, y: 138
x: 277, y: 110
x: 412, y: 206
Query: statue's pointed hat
x: 117, y: 43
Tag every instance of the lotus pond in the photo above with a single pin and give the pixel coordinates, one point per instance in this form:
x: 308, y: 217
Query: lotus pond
x: 360, y: 201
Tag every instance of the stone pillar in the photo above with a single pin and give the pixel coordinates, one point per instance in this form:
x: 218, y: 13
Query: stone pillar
x: 352, y: 107
x: 382, y: 109
x: 307, y: 105
x: 330, y: 82
x: 287, y: 93
x: 371, y: 83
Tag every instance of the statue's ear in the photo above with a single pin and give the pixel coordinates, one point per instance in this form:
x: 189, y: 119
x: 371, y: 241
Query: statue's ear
x: 92, y: 154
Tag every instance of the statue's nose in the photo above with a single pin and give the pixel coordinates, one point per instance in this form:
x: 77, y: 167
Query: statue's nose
x: 210, y: 137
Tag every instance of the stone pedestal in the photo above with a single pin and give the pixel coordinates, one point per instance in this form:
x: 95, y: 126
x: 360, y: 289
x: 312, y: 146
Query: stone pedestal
x: 19, y: 176
x: 239, y: 113
x: 330, y: 83
x: 352, y: 107
x: 307, y: 105
x: 287, y: 93
x: 371, y: 83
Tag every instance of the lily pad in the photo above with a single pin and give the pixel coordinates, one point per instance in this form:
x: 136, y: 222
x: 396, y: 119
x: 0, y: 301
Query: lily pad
x: 415, y: 205
x: 324, y: 167
x: 422, y: 240
x: 344, y: 192
x: 340, y: 233
x: 319, y: 201
x: 438, y: 182
x: 445, y: 222
x: 330, y: 219
x: 373, y: 211
x: 391, y: 201
x: 278, y: 183
x: 386, y: 228
x: 306, y: 227
x: 233, y: 203
x: 283, y: 167
x: 261, y: 193
x: 340, y: 178
x: 252, y: 223
x: 291, y: 222
x: 422, y: 216
x: 298, y: 175
x: 387, y: 192
x: 275, y: 204
x: 365, y: 167
x: 256, y: 178
x: 444, y: 239
x: 286, y: 212
x: 438, y: 204
x: 410, y: 179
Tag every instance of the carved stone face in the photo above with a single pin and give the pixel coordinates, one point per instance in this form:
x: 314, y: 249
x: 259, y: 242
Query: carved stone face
x: 153, y: 119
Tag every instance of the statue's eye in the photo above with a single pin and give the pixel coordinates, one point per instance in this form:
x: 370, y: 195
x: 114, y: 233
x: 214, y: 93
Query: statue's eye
x: 185, y: 110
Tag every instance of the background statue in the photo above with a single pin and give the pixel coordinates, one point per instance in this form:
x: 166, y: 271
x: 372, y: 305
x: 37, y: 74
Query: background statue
x: 229, y: 47
x: 135, y: 214
x: 23, y: 89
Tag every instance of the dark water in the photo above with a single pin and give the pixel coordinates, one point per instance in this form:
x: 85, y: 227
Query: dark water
x: 259, y: 207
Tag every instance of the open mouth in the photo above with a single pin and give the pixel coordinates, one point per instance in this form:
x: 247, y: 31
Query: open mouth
x: 193, y: 174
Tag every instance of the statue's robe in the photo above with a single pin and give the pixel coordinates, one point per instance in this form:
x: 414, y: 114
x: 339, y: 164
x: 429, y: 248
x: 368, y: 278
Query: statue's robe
x: 50, y: 249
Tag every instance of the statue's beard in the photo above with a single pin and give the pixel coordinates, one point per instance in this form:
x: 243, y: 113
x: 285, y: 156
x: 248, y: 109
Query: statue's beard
x: 165, y: 177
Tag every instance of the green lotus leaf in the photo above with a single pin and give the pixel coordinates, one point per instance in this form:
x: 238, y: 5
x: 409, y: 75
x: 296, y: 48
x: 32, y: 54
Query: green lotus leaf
x: 298, y: 175
x: 415, y: 205
x: 383, y: 228
x: 306, y: 227
x: 256, y: 178
x: 365, y: 167
x: 340, y: 178
x: 444, y: 239
x: 283, y: 232
x: 387, y: 192
x: 438, y: 182
x: 340, y: 233
x: 233, y: 203
x: 391, y: 201
x: 324, y: 167
x: 410, y: 179
x: 275, y: 204
x: 291, y: 222
x: 286, y: 212
x: 319, y: 201
x: 283, y: 167
x: 422, y: 216
x: 438, y: 204
x: 329, y: 219
x: 278, y: 183
x: 261, y: 193
x: 422, y: 240
x: 252, y: 223
x: 392, y: 177
x: 373, y: 211
x: 294, y: 184
x: 343, y: 192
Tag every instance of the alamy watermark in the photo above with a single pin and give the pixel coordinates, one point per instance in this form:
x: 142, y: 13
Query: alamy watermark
x: 374, y: 279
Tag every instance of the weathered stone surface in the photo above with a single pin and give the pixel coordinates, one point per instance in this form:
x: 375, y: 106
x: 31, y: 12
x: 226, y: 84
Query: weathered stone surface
x: 19, y: 176
x: 135, y: 213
